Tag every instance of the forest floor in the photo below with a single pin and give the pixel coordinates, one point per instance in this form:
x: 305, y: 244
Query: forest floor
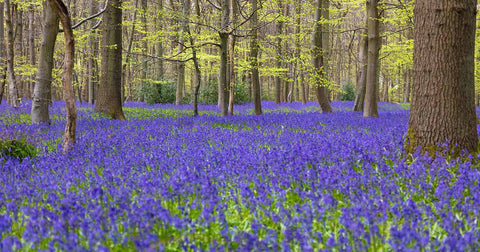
x: 291, y: 179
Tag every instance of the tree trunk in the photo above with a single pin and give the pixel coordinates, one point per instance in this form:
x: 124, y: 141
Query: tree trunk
x: 2, y: 52
x: 181, y: 48
x: 92, y: 62
x: 318, y: 59
x: 144, y: 70
x: 109, y: 100
x: 278, y: 40
x: 31, y: 42
x: 370, y: 108
x: 223, y: 78
x: 298, y: 49
x: 43, y: 88
x: 198, y: 73
x: 362, y: 74
x: 406, y: 96
x: 12, y: 87
x: 231, y: 49
x: 443, y: 102
x: 254, y: 46
x: 68, y: 94
x: 159, y: 47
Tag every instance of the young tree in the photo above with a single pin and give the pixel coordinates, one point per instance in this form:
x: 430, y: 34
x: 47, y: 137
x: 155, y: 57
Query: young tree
x: 68, y: 94
x: 42, y: 90
x: 443, y: 103
x: 109, y: 100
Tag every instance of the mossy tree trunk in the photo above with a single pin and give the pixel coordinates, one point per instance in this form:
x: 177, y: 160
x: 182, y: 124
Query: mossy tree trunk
x: 443, y: 102
x: 109, y: 100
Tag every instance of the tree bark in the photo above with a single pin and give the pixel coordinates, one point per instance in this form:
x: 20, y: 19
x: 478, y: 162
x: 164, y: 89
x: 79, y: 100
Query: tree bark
x: 370, y: 108
x: 31, y: 42
x: 231, y: 49
x: 42, y: 93
x: 12, y: 86
x: 92, y: 62
x: 109, y: 100
x: 318, y: 59
x: 223, y: 78
x: 254, y: 46
x: 2, y: 52
x: 362, y: 74
x: 68, y: 94
x: 159, y: 47
x: 181, y: 48
x: 443, y: 103
x: 278, y: 64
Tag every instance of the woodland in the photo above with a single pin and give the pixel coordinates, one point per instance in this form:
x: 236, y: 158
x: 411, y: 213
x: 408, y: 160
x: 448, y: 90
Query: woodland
x: 239, y: 125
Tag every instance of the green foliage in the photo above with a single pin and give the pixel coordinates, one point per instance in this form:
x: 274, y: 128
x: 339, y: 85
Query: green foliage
x: 348, y: 92
x: 19, y: 149
x: 157, y: 92
x: 209, y: 93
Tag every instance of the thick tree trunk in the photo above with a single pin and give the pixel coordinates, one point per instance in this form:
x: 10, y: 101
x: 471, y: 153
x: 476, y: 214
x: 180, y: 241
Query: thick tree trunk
x: 68, y: 94
x: 12, y: 86
x: 370, y: 108
x: 42, y: 94
x: 362, y: 74
x: 257, y: 97
x: 443, y: 102
x: 2, y: 53
x: 320, y: 86
x: 109, y: 100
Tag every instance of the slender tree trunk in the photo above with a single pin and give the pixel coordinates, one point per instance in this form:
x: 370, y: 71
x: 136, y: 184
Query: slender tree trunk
x: 406, y: 97
x: 198, y: 73
x: 181, y: 48
x: 159, y: 47
x: 42, y: 94
x: 254, y: 46
x: 278, y: 41
x: 318, y: 61
x: 109, y: 100
x: 362, y: 74
x: 31, y: 42
x: 370, y: 108
x: 12, y: 87
x: 69, y: 96
x: 126, y: 64
x: 443, y: 102
x: 144, y: 16
x: 2, y: 52
x: 223, y: 78
x: 92, y: 62
x: 231, y: 49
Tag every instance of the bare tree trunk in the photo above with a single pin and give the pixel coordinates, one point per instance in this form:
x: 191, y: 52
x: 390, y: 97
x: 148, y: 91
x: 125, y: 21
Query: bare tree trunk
x: 31, y: 42
x: 68, y: 94
x: 144, y: 81
x: 223, y: 78
x: 42, y: 94
x: 181, y: 48
x: 443, y: 101
x: 12, y: 87
x: 408, y: 87
x: 126, y: 64
x: 318, y: 61
x: 198, y: 73
x: 370, y: 108
x: 257, y: 97
x: 2, y: 52
x: 362, y: 74
x: 109, y: 100
x: 278, y: 42
x: 231, y: 49
x: 159, y: 47
x: 92, y: 62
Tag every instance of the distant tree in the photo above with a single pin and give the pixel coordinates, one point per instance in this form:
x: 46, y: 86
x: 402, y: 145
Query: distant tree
x: 109, y: 97
x: 443, y: 103
x: 2, y: 53
x: 12, y: 97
